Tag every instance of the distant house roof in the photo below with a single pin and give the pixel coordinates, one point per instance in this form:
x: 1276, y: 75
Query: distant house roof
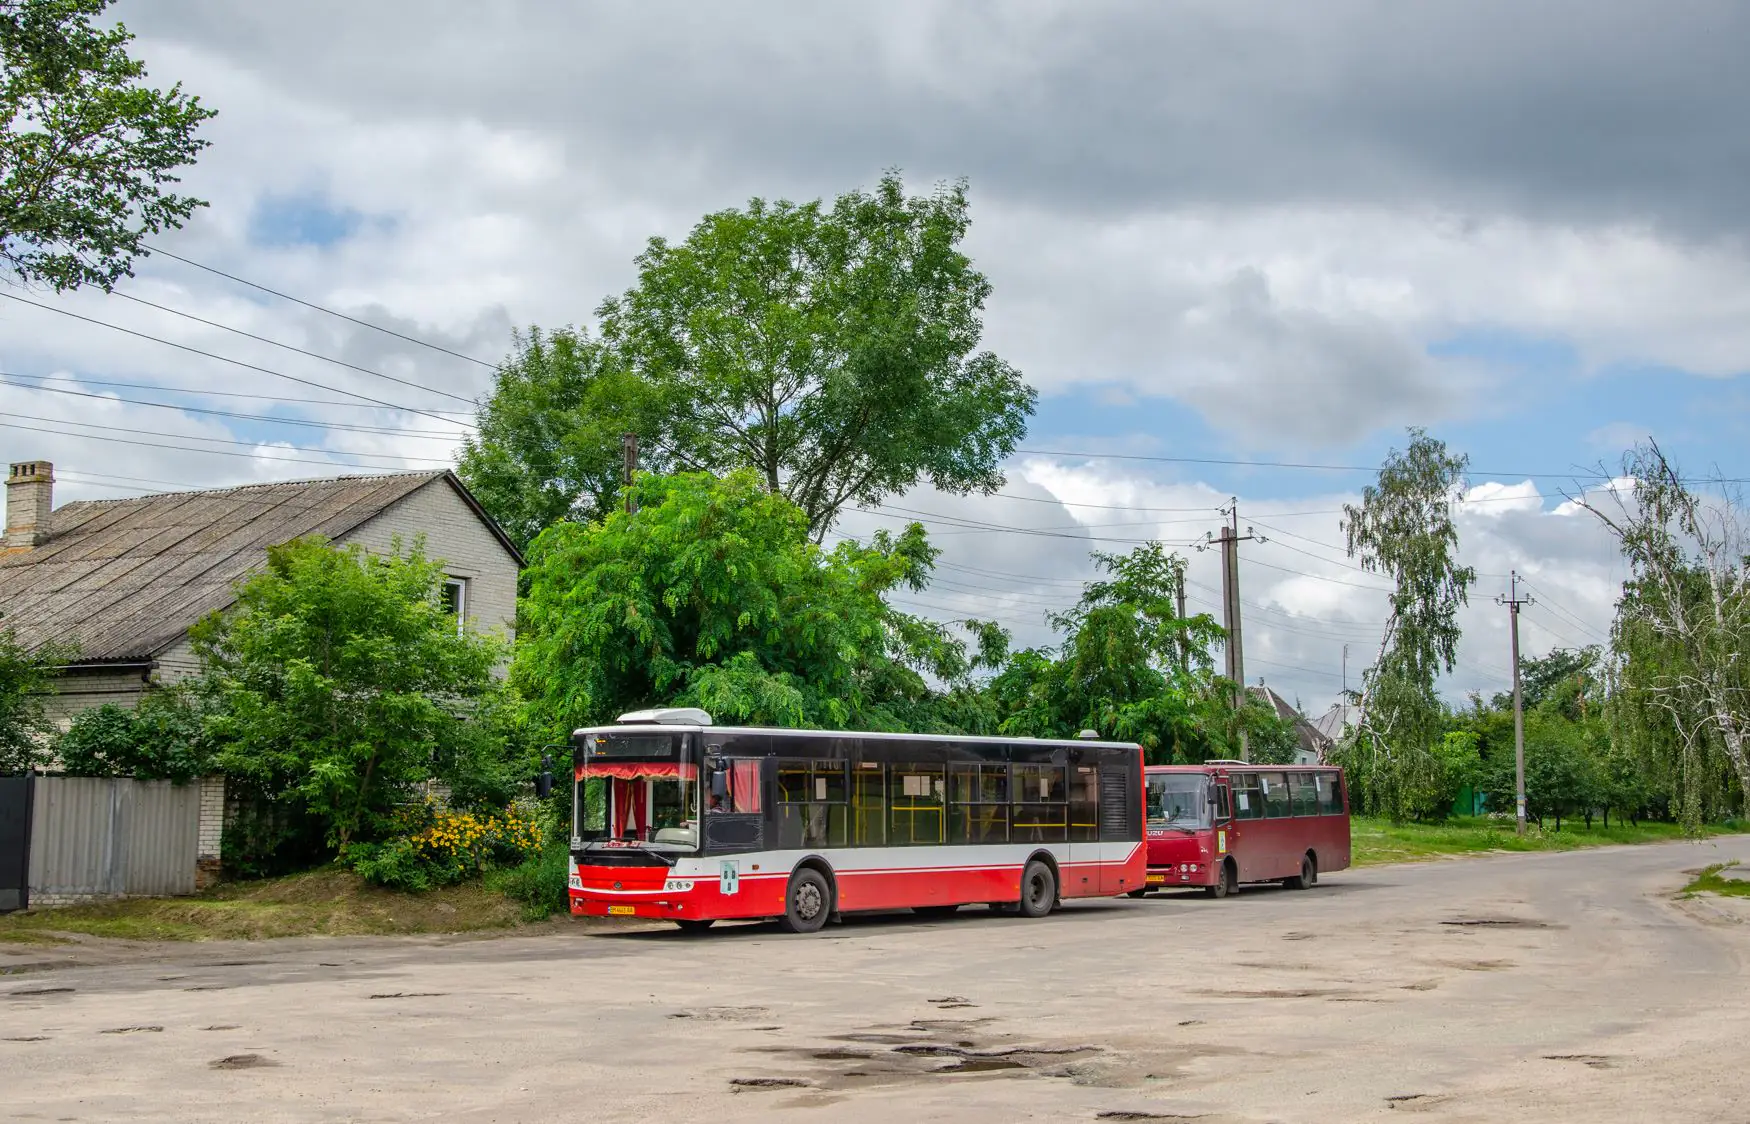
x: 1333, y: 721
x: 127, y: 578
x: 1312, y: 739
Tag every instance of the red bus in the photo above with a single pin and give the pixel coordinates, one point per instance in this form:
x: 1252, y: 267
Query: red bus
x: 680, y: 819
x: 1221, y: 823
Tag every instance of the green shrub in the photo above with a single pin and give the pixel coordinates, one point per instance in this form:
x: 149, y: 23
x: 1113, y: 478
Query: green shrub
x: 542, y: 884
x: 440, y: 847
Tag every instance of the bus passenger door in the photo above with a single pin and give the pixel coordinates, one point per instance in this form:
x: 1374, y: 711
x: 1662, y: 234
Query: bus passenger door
x: 1221, y: 815
x: 1082, y: 876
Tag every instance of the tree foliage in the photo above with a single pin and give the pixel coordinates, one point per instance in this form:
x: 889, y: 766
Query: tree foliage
x: 339, y: 681
x: 714, y: 595
x: 89, y: 151
x: 1682, y: 632
x: 1403, y: 528
x: 164, y: 738
x: 832, y: 350
x: 548, y: 443
x: 27, y: 678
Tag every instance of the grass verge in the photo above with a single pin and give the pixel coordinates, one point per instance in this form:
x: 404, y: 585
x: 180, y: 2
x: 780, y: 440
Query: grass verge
x: 1377, y: 841
x: 327, y: 902
x: 1712, y: 880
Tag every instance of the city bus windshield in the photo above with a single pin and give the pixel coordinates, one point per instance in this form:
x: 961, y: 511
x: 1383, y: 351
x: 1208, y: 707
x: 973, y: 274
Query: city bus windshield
x: 1178, y: 800
x: 651, y: 803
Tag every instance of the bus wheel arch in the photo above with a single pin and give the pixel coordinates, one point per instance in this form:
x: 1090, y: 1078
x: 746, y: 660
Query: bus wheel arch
x: 806, y: 912
x: 1227, y: 879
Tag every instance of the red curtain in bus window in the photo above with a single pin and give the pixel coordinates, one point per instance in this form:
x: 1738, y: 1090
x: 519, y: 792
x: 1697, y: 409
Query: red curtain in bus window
x: 629, y: 808
x: 744, y: 785
x: 633, y: 770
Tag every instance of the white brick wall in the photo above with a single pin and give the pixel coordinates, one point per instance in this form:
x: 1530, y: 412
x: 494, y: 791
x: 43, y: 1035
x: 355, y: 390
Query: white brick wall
x: 455, y: 534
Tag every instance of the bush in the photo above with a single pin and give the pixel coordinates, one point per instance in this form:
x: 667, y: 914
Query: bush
x: 440, y: 847
x: 164, y: 738
x: 542, y: 884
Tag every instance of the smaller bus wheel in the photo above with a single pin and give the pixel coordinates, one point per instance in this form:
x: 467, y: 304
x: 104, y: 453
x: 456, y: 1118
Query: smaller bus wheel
x: 1307, y: 878
x: 695, y: 925
x: 1136, y: 893
x: 1038, y: 890
x: 1226, y: 884
x: 807, y: 902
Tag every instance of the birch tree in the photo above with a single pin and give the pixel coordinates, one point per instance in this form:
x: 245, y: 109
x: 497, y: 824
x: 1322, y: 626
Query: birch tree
x: 1403, y: 528
x: 1683, y: 623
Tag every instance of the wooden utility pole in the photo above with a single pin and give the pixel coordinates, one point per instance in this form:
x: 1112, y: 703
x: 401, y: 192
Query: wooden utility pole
x: 629, y: 445
x: 1184, y: 634
x: 1513, y: 601
x: 1230, y: 540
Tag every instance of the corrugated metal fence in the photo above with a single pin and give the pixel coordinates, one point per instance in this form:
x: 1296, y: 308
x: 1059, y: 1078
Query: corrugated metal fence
x: 94, y: 838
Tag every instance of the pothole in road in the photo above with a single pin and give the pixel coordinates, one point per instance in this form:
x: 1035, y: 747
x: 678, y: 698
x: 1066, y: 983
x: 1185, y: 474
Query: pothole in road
x: 1498, y: 922
x: 133, y: 1030
x: 1595, y: 1061
x: 739, y: 1083
x: 242, y: 1061
x: 1135, y: 1114
x: 723, y: 1014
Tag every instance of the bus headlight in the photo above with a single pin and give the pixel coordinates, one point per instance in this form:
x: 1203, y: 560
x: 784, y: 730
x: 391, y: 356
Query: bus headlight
x: 677, y: 885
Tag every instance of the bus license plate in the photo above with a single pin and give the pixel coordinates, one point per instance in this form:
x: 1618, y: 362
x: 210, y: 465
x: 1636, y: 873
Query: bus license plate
x: 1156, y: 879
x: 622, y: 911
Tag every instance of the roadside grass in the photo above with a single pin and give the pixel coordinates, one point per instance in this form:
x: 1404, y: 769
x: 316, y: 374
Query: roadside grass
x: 1712, y: 881
x: 326, y: 902
x: 1376, y: 841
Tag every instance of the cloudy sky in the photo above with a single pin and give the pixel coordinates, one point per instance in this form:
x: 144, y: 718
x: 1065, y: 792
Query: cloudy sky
x: 1217, y: 233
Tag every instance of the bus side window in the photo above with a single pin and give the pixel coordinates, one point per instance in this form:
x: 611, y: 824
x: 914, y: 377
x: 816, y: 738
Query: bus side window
x: 1248, y: 797
x: 979, y: 808
x: 1304, y: 794
x: 917, y: 799
x: 869, y: 805
x: 1222, y: 812
x: 1041, y: 812
x: 1330, y: 802
x: 1276, y: 804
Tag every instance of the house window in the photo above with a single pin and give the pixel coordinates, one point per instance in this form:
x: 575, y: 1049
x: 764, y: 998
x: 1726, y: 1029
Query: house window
x: 455, y: 599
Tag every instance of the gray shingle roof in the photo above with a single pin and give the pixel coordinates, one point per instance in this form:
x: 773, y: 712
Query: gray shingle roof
x: 126, y: 578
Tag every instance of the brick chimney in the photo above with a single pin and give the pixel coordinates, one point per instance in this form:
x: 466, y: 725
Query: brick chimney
x: 30, y: 495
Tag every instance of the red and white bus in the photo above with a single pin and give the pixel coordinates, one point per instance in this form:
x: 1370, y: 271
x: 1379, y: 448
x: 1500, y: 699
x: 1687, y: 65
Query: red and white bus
x: 1222, y: 823
x: 679, y: 819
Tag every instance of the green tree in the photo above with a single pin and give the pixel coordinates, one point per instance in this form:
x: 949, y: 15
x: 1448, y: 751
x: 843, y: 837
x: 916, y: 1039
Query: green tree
x: 163, y: 738
x: 89, y: 151
x: 714, y: 595
x: 1403, y: 528
x: 339, y: 681
x: 1683, y: 624
x: 548, y: 445
x: 833, y: 350
x: 27, y: 679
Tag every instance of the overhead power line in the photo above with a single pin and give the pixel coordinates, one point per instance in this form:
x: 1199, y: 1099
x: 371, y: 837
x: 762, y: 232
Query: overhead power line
x: 284, y: 346
x: 319, y: 308
x: 214, y: 452
x: 205, y: 393
x: 1299, y: 465
x: 235, y: 362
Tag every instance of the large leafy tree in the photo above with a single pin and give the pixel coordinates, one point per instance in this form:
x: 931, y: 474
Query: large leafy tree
x: 1682, y: 634
x: 832, y: 350
x: 338, y: 681
x: 1130, y: 667
x: 1403, y: 528
x: 714, y: 595
x: 26, y: 682
x: 89, y: 152
x: 549, y: 440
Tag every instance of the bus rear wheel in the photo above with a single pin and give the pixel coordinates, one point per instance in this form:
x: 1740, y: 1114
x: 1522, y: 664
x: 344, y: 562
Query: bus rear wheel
x: 1038, y: 890
x: 695, y: 925
x: 1227, y: 883
x: 807, y: 902
x: 1307, y: 878
x: 1137, y: 893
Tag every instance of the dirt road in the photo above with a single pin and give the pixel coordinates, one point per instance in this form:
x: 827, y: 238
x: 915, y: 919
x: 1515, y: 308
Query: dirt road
x: 1550, y: 987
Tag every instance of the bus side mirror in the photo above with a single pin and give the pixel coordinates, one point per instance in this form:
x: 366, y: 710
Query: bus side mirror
x: 544, y: 782
x: 719, y: 782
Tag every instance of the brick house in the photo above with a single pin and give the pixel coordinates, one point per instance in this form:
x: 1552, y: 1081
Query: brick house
x: 125, y: 579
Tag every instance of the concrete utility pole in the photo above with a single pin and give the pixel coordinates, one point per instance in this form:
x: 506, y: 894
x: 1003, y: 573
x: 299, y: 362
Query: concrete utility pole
x: 629, y: 444
x: 1513, y: 601
x: 1184, y: 636
x: 1230, y: 540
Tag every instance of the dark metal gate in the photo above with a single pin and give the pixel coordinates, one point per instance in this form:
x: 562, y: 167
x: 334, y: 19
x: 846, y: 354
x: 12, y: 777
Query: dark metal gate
x: 17, y: 794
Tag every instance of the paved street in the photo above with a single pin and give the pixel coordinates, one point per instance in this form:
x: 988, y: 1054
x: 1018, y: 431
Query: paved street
x: 1546, y: 987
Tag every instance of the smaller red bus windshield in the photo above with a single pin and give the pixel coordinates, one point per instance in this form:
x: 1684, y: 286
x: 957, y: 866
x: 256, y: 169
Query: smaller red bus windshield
x: 1178, y: 800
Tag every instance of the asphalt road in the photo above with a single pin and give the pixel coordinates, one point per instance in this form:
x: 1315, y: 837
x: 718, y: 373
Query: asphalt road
x: 1544, y: 987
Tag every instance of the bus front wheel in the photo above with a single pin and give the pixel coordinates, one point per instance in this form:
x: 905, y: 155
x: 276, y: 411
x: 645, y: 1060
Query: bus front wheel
x: 1227, y: 883
x: 694, y: 925
x: 807, y: 902
x: 1038, y: 889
